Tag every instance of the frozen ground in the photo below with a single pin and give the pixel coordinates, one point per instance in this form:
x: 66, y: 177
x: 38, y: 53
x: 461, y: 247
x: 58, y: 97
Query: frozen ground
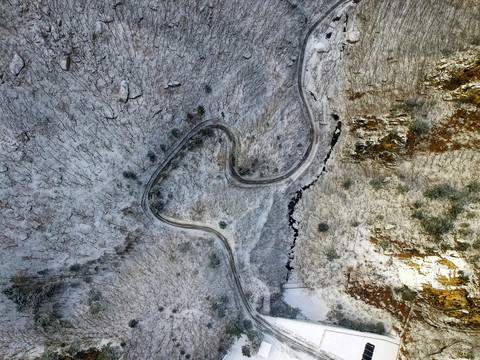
x: 94, y: 95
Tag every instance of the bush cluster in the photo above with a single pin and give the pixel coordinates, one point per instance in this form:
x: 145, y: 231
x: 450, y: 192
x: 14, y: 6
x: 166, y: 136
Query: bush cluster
x: 354, y: 324
x: 214, y: 261
x: 279, y: 308
x: 419, y: 127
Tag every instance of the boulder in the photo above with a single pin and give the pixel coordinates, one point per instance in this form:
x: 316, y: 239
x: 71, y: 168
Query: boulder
x: 16, y: 65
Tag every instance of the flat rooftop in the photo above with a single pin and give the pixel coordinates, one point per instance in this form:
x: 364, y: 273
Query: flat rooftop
x: 343, y: 343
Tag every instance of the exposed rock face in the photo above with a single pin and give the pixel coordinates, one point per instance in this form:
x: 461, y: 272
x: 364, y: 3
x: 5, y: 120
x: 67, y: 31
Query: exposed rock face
x: 400, y: 195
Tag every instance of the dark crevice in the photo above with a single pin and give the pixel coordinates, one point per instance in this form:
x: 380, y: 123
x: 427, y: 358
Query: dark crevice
x: 298, y: 195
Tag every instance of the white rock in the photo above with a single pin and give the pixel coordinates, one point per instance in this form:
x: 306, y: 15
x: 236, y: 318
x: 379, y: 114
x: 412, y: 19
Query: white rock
x: 390, y: 226
x: 134, y: 91
x: 322, y: 46
x: 65, y: 63
x: 353, y: 36
x: 156, y: 109
x: 16, y: 65
x: 108, y: 113
x: 123, y: 92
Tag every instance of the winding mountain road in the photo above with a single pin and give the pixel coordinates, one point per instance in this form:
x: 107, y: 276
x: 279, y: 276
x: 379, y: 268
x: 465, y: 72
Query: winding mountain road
x: 233, y: 151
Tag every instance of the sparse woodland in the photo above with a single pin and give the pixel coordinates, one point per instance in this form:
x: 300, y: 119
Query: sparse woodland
x: 95, y: 95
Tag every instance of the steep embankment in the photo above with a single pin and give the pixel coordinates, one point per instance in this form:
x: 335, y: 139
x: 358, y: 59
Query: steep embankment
x: 400, y: 197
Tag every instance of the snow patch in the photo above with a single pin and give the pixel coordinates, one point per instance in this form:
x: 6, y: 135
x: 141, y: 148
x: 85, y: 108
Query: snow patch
x: 311, y: 306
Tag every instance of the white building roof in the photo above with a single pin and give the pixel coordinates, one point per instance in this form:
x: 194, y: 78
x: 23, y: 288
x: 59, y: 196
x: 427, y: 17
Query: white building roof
x: 342, y: 343
x: 264, y: 350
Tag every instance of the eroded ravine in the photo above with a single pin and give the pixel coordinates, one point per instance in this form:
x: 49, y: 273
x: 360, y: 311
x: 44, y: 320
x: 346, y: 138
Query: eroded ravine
x: 233, y: 174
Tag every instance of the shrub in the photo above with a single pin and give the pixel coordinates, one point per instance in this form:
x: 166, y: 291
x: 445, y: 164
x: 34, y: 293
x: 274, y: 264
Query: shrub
x: 156, y: 190
x: 279, y: 308
x: 175, y: 132
x: 447, y: 52
x: 130, y: 175
x: 157, y: 206
x: 214, y: 261
x: 195, y: 142
x: 461, y: 246
x: 133, y: 323
x: 418, y: 204
x: 471, y: 215
x: 473, y: 187
x: 465, y: 229
x: 151, y: 156
x: 419, y: 127
x: 384, y: 244
x: 323, y: 227
x: 184, y: 247
x: 110, y: 353
x: 246, y: 351
x: 406, y: 293
x: 462, y: 276
x: 332, y: 255
x: 49, y: 321
x: 94, y: 301
x: 50, y: 354
x: 175, y: 163
x: 347, y: 184
x: 207, y: 132
x: 377, y: 183
x: 208, y: 89
x: 411, y: 104
x: 244, y: 170
x: 222, y: 224
x: 247, y: 324
x: 442, y: 191
x: 456, y: 209
x: 30, y: 295
x: 75, y: 267
x: 235, y: 328
x: 436, y: 226
x: 355, y: 324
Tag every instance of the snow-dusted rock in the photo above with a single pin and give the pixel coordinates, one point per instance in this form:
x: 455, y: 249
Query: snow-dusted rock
x: 353, y: 36
x: 16, y: 65
x: 134, y: 91
x: 123, y: 92
x: 322, y: 46
x: 65, y: 63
